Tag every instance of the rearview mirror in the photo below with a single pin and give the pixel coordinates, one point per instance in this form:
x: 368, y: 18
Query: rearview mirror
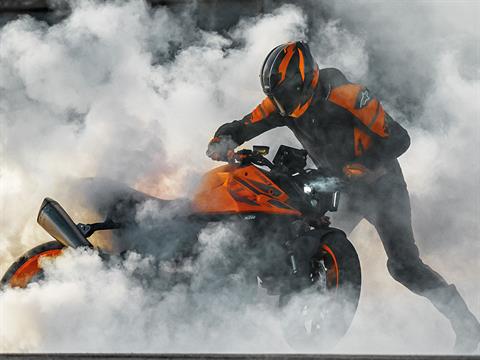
x: 260, y: 149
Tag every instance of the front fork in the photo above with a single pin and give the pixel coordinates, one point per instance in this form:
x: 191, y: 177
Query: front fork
x: 291, y: 257
x: 317, y: 271
x: 318, y: 274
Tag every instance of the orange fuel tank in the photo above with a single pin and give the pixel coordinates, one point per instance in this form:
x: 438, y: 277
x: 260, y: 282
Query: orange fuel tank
x: 232, y: 189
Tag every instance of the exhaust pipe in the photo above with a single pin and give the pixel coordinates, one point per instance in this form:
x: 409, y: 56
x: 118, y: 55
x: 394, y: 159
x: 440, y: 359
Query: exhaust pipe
x: 55, y: 220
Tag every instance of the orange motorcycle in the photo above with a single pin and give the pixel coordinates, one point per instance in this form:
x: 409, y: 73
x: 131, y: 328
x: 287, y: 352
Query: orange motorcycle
x: 278, y: 206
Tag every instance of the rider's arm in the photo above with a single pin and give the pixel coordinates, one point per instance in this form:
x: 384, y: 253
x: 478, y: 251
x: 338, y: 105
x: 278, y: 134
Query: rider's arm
x: 377, y: 137
x: 230, y: 135
x: 392, y: 142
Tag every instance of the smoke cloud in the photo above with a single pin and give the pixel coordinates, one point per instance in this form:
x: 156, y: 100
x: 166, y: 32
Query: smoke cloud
x: 122, y: 91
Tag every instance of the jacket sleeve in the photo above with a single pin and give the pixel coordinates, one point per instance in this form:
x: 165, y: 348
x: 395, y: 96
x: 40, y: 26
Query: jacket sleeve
x: 263, y: 118
x: 385, y: 148
x: 377, y: 137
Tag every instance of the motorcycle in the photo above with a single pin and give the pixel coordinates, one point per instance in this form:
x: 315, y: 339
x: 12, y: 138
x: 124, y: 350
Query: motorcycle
x: 276, y: 202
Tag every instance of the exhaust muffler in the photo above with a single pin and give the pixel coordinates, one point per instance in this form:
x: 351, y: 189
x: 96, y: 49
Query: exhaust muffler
x: 55, y: 220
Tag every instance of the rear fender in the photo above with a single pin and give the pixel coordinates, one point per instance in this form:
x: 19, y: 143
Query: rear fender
x: 28, y: 267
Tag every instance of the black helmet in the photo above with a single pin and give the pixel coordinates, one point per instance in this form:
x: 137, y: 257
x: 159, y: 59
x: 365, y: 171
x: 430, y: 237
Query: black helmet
x: 289, y: 77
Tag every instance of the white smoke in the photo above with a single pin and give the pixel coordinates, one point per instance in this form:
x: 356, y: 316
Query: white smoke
x: 86, y: 306
x: 121, y: 91
x: 85, y: 98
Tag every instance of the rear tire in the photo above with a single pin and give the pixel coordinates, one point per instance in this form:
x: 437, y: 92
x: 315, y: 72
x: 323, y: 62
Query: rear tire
x: 27, y: 268
x: 323, y: 314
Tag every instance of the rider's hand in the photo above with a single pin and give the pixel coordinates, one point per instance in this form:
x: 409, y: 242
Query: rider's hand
x: 221, y: 148
x: 355, y: 171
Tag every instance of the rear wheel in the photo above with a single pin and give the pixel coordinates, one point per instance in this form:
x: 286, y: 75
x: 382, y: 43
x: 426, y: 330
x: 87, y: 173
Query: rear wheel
x: 323, y: 312
x: 27, y: 268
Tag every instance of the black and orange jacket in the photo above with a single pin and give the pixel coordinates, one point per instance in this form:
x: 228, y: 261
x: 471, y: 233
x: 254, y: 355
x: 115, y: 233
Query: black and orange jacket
x: 345, y: 123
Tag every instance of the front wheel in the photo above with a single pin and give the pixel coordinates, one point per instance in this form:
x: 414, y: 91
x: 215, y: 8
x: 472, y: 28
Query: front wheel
x: 320, y: 315
x: 27, y: 268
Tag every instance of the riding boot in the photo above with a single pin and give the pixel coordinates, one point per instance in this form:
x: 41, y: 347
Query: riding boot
x: 465, y: 325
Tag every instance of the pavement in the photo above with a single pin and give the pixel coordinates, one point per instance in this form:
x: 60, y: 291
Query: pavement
x: 45, y: 356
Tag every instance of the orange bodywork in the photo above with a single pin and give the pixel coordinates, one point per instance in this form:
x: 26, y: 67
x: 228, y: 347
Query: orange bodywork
x: 30, y: 268
x: 233, y: 189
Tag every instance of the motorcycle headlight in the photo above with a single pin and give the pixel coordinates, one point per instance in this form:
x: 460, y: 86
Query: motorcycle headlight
x: 307, y: 189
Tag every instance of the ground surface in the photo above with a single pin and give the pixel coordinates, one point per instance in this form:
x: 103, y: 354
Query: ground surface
x: 225, y: 356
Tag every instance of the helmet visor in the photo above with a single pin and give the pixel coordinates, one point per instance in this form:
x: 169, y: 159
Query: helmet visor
x: 279, y: 106
x: 287, y: 96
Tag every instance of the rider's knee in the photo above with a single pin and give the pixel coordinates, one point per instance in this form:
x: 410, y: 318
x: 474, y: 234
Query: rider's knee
x: 415, y: 275
x: 405, y: 272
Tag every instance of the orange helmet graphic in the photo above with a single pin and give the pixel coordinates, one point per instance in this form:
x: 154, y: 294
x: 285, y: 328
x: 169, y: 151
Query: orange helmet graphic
x: 289, y: 77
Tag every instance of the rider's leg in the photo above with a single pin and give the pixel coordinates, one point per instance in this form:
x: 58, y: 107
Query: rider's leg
x: 392, y: 220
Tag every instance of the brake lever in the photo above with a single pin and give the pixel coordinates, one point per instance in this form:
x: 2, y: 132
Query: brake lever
x: 231, y: 157
x: 263, y: 161
x: 245, y: 156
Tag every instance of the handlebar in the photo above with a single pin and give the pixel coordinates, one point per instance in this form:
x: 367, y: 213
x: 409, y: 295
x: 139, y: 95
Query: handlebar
x: 318, y: 179
x: 254, y: 156
x: 313, y: 188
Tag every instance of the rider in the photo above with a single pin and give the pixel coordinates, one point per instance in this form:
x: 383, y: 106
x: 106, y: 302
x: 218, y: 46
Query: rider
x: 345, y: 129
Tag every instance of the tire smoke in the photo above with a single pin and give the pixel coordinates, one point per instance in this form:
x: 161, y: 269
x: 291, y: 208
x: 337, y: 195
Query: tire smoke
x: 122, y: 91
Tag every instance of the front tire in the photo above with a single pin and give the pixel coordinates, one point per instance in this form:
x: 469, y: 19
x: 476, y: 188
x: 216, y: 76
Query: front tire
x: 321, y: 315
x: 27, y: 268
